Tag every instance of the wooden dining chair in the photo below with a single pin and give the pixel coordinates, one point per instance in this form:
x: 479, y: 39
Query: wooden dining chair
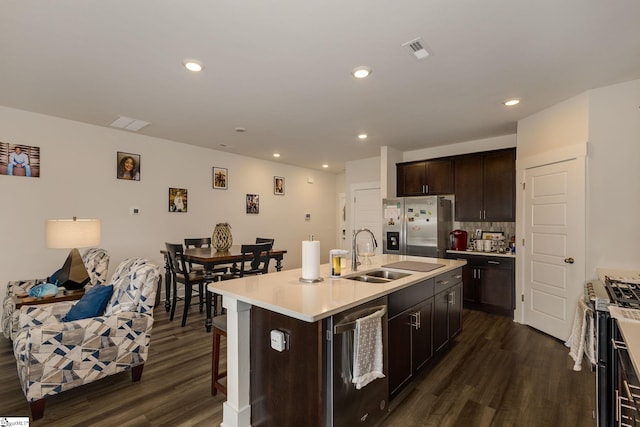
x: 265, y: 240
x: 219, y: 331
x: 205, y: 242
x: 254, y: 260
x: 199, y: 242
x: 182, y: 273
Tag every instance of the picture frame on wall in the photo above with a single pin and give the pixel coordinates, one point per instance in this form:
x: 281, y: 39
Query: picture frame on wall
x: 278, y: 185
x: 128, y: 166
x: 178, y: 200
x: 19, y: 160
x: 220, y: 178
x: 253, y: 203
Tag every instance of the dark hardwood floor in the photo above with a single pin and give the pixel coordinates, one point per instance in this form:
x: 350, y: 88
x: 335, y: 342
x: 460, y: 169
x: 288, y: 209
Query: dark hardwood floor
x: 497, y: 373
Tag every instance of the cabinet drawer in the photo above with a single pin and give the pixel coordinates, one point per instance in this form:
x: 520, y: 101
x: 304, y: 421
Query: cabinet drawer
x: 497, y: 262
x: 401, y: 300
x: 446, y: 280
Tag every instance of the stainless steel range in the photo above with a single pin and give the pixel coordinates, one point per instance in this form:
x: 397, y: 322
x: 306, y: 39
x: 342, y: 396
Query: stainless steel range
x: 622, y: 290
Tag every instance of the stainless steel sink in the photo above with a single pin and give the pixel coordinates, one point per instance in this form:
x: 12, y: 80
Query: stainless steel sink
x: 386, y: 274
x: 378, y: 276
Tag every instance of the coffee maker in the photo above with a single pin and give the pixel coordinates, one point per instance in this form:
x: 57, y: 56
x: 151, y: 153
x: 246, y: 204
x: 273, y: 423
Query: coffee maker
x: 458, y: 240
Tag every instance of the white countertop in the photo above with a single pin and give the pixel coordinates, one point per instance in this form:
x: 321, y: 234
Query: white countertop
x: 282, y: 292
x: 630, y: 330
x: 450, y: 251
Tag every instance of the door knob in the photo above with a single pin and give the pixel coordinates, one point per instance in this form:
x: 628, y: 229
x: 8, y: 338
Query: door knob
x: 568, y: 260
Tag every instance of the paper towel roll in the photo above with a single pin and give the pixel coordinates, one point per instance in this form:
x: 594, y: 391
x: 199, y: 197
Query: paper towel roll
x: 310, y: 259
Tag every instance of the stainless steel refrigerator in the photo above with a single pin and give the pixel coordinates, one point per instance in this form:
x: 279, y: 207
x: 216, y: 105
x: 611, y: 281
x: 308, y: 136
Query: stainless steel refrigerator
x: 416, y: 226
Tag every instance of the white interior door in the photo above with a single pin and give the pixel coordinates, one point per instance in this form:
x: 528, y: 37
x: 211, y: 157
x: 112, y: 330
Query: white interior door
x: 554, y: 247
x: 367, y: 213
x: 342, y: 240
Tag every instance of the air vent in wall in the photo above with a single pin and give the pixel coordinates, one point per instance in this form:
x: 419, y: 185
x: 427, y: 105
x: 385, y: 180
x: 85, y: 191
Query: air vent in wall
x: 416, y: 49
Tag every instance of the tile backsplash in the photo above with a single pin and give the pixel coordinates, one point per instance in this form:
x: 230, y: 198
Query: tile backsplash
x: 509, y: 228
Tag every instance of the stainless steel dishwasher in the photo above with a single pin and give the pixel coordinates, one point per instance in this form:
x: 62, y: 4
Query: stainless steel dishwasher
x: 348, y: 406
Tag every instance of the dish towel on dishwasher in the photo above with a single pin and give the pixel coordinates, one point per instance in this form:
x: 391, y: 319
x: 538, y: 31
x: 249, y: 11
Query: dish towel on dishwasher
x: 582, y: 339
x: 368, y: 350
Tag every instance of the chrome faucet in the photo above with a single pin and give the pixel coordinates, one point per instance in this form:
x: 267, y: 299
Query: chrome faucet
x: 355, y: 262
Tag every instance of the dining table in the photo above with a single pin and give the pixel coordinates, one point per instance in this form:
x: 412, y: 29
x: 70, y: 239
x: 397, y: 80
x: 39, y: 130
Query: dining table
x: 210, y: 258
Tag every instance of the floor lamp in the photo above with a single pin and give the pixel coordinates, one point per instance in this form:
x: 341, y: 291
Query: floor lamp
x: 73, y: 234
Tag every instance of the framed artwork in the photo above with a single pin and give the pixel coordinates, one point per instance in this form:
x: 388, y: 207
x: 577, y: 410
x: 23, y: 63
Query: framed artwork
x: 278, y: 185
x: 19, y: 160
x: 128, y: 166
x: 220, y: 178
x: 253, y: 203
x: 177, y: 200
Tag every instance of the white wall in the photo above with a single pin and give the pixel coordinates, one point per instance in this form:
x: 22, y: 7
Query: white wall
x: 561, y: 125
x: 78, y: 178
x: 608, y: 119
x: 475, y: 146
x: 614, y: 177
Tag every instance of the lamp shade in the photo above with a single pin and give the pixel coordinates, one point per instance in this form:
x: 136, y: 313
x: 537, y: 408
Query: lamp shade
x: 72, y: 233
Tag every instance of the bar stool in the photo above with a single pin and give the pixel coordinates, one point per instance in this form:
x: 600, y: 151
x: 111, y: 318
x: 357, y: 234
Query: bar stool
x: 219, y: 330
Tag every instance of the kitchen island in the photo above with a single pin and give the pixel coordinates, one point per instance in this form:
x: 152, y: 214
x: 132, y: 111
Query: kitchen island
x: 306, y: 304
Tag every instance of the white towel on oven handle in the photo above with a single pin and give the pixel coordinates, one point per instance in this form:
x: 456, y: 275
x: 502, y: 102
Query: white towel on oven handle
x: 582, y: 339
x: 368, y: 352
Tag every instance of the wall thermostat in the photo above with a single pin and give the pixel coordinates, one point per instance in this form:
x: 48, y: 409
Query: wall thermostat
x: 278, y: 340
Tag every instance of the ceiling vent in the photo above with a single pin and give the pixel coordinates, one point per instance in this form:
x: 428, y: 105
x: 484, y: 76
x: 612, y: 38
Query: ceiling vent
x: 416, y: 49
x: 128, y: 123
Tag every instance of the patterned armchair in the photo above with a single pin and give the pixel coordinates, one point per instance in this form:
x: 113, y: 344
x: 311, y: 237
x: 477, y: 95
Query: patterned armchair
x: 96, y: 262
x: 54, y: 356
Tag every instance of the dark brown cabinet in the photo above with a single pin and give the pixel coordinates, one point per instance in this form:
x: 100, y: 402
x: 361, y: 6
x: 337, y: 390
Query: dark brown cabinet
x: 489, y: 283
x: 425, y: 177
x: 485, y: 186
x: 447, y: 316
x: 411, y: 330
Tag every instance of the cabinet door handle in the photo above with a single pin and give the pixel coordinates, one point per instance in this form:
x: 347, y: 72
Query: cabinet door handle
x: 451, y: 297
x: 493, y: 262
x: 442, y: 282
x: 415, y: 320
x: 480, y: 214
x: 458, y: 276
x: 426, y: 188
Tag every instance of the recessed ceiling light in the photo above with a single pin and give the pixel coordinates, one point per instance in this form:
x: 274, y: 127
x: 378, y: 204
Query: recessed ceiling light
x: 361, y: 72
x: 362, y: 136
x: 511, y: 102
x: 325, y: 166
x: 193, y: 65
x: 276, y: 154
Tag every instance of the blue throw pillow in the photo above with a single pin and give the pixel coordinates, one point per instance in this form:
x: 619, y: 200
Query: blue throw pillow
x: 92, y: 303
x: 54, y: 278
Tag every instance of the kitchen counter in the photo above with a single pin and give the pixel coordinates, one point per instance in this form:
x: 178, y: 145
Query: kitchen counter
x: 630, y: 331
x: 450, y: 251
x: 283, y: 293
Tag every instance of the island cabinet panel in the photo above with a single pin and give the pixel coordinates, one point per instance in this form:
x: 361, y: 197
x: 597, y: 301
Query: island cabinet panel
x: 425, y: 178
x: 410, y: 346
x: 485, y: 186
x: 287, y: 386
x: 447, y: 316
x: 416, y: 319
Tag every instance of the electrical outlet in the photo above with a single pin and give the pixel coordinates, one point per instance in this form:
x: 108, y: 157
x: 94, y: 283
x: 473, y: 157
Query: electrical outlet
x: 278, y: 340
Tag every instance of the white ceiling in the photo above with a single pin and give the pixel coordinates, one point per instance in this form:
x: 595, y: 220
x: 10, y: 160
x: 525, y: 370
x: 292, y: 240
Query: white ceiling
x: 281, y: 68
